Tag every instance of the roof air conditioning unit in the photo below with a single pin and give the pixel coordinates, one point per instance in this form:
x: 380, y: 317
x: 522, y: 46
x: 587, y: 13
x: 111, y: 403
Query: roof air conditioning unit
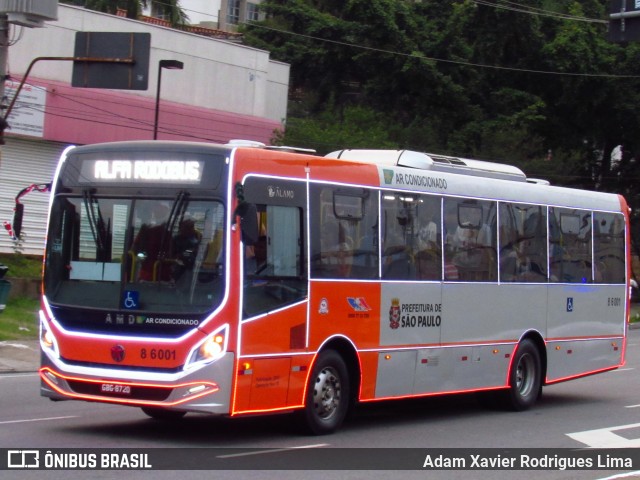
x: 29, y: 13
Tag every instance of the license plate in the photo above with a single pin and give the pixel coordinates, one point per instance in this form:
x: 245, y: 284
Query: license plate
x: 115, y: 389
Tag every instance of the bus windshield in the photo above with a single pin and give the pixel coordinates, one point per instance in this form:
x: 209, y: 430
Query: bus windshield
x: 142, y: 255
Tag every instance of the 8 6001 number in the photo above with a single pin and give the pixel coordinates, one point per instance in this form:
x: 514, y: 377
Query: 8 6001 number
x: 158, y: 354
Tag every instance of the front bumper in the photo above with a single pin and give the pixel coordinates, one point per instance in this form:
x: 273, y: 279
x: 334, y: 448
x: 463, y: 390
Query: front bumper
x: 206, y: 389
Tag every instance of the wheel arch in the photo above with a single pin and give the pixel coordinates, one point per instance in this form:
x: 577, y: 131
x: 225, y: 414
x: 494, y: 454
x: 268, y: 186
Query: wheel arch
x: 537, y: 339
x: 347, y: 350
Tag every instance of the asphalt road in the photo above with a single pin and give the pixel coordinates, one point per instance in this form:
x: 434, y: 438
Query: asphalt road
x: 598, y: 411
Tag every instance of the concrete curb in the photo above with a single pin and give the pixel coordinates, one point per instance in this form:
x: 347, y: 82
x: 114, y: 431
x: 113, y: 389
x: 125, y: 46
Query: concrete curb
x: 19, y: 356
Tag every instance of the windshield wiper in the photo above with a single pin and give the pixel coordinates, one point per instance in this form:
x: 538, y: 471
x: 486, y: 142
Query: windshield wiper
x: 99, y: 231
x: 177, y: 210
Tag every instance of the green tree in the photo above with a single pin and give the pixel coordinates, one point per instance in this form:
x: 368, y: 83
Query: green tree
x: 465, y: 78
x: 359, y: 52
x: 357, y: 127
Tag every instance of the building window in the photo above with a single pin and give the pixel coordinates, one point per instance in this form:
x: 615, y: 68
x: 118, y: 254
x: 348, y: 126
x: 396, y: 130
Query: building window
x: 233, y: 12
x: 160, y: 10
x: 253, y: 14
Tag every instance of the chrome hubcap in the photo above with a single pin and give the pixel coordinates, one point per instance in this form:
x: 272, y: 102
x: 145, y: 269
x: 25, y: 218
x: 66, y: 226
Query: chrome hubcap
x: 327, y: 393
x: 525, y: 375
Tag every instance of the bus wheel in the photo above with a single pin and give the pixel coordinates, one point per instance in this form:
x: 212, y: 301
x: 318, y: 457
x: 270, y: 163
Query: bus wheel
x: 327, y: 397
x: 159, y: 413
x: 525, y: 377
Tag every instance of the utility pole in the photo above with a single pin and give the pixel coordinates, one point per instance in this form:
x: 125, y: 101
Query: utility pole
x: 4, y: 53
x: 25, y: 13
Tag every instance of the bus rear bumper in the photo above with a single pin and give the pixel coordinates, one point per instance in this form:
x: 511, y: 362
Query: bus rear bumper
x: 206, y: 389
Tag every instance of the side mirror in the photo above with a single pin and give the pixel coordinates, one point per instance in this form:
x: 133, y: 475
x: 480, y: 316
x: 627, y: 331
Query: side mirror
x: 17, y: 219
x: 248, y: 222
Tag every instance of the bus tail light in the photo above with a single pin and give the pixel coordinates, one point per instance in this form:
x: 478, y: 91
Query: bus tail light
x: 47, y: 339
x: 210, y: 349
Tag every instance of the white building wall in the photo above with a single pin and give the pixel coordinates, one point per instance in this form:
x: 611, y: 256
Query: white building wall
x: 217, y: 74
x: 277, y: 88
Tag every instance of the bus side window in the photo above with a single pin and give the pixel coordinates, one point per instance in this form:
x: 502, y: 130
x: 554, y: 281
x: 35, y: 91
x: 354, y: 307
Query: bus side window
x: 274, y: 266
x: 366, y: 244
x: 510, y: 258
x: 523, y: 243
x: 344, y: 233
x: 398, y: 228
x: 411, y: 237
x: 428, y: 241
x: 533, y: 243
x: 609, y: 251
x: 571, y: 260
x: 470, y: 240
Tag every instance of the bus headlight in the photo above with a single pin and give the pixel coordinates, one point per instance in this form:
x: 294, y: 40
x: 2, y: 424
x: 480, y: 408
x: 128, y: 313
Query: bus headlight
x: 210, y: 349
x: 47, y: 339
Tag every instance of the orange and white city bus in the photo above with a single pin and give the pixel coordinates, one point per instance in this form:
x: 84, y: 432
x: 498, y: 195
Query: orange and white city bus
x: 232, y: 280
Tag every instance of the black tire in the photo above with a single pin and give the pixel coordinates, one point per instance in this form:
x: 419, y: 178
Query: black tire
x: 158, y: 413
x: 328, y: 394
x: 525, y: 377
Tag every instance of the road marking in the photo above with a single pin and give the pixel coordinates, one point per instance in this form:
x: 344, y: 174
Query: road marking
x: 19, y: 375
x: 622, y: 475
x: 36, y: 419
x: 14, y: 345
x: 623, y: 369
x: 273, y: 450
x: 606, y: 438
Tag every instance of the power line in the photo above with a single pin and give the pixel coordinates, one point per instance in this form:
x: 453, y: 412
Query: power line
x: 443, y: 60
x: 108, y: 117
x: 231, y: 118
x: 517, y: 7
x: 512, y: 6
x: 142, y: 126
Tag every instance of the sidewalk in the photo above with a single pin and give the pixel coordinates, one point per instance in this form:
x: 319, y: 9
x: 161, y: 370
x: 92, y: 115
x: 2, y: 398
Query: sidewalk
x: 19, y: 356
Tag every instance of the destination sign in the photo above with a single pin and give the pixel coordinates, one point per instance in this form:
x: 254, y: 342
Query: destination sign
x: 153, y: 171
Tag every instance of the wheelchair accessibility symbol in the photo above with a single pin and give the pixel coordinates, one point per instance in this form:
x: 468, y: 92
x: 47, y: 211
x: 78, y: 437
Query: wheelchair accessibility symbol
x: 569, y: 304
x: 130, y: 301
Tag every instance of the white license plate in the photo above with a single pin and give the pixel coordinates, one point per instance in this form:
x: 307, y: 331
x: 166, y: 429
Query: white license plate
x: 115, y: 389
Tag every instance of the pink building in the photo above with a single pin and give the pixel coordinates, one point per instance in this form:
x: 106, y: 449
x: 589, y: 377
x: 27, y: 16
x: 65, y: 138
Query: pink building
x: 225, y: 91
